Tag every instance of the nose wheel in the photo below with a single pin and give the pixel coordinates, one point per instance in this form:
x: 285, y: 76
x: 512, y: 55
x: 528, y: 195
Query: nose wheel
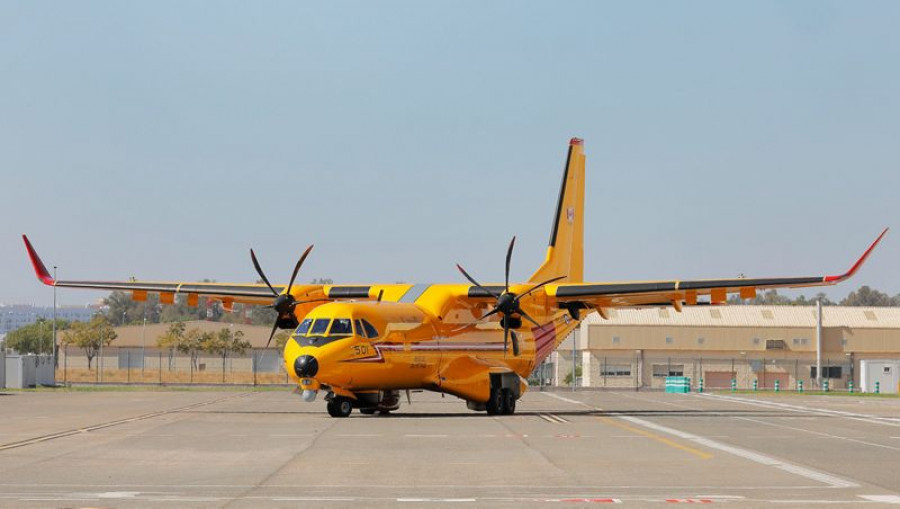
x: 340, y: 406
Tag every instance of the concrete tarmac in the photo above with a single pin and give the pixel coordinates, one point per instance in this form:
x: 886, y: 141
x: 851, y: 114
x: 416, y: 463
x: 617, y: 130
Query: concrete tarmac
x: 269, y: 449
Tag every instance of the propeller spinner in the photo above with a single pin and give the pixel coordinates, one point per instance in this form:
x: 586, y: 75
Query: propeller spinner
x: 508, y: 304
x: 284, y: 303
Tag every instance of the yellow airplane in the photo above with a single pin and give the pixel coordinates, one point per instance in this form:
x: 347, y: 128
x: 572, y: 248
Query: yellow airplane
x: 364, y: 344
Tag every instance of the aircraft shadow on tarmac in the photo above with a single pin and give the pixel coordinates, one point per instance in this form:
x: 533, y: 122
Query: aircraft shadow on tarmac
x: 537, y: 413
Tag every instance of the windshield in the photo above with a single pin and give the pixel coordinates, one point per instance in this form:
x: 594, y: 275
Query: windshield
x: 341, y: 327
x: 304, y: 327
x: 320, y: 326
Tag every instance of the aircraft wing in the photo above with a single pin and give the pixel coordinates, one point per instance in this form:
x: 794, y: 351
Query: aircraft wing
x: 228, y: 293
x: 675, y: 292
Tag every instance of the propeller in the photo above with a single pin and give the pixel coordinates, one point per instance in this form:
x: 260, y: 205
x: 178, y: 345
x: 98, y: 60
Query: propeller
x: 284, y: 303
x: 508, y: 303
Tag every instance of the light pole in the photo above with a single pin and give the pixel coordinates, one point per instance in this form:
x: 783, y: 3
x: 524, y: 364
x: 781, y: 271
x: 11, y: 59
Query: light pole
x: 53, y: 348
x: 143, y: 337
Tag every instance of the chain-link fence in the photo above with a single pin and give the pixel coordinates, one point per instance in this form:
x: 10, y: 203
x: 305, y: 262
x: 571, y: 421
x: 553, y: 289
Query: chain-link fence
x: 642, y: 370
x: 161, y: 366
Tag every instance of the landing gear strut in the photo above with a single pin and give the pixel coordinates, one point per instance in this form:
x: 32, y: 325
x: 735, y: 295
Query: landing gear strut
x: 340, y: 406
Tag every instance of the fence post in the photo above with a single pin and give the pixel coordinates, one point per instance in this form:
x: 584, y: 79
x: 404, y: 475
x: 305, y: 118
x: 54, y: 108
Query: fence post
x: 128, y: 365
x: 160, y: 367
x: 66, y: 367
x: 253, y: 364
x: 192, y: 368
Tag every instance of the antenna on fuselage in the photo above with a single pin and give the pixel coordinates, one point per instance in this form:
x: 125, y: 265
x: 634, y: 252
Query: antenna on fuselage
x: 380, y: 294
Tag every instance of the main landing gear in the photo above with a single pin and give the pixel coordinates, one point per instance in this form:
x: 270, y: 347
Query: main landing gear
x: 502, y: 402
x: 340, y: 406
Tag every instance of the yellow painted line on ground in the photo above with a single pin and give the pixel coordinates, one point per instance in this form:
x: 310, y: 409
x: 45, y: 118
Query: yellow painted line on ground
x: 663, y: 440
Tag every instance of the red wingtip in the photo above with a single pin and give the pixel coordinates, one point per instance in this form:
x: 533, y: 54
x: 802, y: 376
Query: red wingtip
x: 858, y: 264
x: 576, y: 141
x: 39, y: 269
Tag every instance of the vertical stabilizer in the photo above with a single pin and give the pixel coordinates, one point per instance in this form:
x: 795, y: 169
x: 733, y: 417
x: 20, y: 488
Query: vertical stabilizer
x: 565, y: 254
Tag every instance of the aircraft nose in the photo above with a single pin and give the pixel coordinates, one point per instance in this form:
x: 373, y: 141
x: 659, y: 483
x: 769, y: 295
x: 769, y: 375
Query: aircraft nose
x: 306, y: 366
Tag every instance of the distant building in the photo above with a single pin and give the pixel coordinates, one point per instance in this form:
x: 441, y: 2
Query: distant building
x: 13, y: 316
x: 639, y: 348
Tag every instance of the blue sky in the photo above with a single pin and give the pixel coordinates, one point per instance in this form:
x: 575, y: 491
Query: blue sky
x: 164, y: 139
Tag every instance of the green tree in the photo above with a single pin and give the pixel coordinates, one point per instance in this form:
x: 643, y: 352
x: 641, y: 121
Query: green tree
x: 866, y: 296
x: 36, y: 337
x: 172, y: 339
x: 193, y: 342
x: 227, y: 340
x: 568, y: 379
x: 90, y: 336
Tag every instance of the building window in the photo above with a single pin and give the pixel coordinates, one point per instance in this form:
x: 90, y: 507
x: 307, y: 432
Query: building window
x: 796, y: 341
x: 755, y: 341
x: 700, y: 341
x: 615, y: 370
x: 663, y: 370
x: 827, y: 372
x: 615, y: 340
x: 668, y: 340
x: 775, y: 344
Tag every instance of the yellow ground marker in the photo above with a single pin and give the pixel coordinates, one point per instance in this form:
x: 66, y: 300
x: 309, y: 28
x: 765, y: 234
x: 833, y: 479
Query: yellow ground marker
x: 663, y: 440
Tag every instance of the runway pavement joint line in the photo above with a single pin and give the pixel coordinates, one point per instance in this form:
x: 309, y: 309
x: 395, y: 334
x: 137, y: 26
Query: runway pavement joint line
x: 117, y: 422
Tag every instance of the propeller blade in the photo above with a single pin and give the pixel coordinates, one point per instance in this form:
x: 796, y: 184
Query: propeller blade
x: 272, y: 334
x: 505, y: 339
x: 509, y: 259
x: 297, y: 268
x: 541, y: 285
x: 260, y: 272
x: 530, y: 319
x: 489, y: 313
x: 476, y: 283
x: 515, y: 343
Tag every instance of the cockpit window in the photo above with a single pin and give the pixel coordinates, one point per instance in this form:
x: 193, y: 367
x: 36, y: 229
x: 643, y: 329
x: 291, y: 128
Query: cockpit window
x: 320, y: 326
x: 304, y: 327
x: 371, y: 332
x: 341, y: 327
x: 359, y: 328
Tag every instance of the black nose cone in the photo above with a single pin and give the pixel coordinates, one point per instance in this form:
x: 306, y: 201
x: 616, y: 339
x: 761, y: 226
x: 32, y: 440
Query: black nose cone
x: 306, y: 365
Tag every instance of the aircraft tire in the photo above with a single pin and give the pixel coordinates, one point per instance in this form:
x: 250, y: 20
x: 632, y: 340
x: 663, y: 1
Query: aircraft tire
x: 509, y: 402
x: 340, y: 407
x: 367, y: 411
x: 494, y: 406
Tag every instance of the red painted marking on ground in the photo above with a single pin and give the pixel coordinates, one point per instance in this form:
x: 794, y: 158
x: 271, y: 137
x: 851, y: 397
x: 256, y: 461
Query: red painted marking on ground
x: 592, y: 500
x: 689, y: 501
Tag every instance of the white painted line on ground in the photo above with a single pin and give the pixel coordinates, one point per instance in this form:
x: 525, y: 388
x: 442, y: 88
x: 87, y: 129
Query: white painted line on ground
x: 567, y: 400
x: 884, y: 499
x: 425, y: 436
x: 822, y: 434
x: 887, y: 421
x: 755, y: 457
x: 762, y: 459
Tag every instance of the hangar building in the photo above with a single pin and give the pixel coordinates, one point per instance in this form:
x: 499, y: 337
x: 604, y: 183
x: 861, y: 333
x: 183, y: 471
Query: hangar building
x: 638, y: 348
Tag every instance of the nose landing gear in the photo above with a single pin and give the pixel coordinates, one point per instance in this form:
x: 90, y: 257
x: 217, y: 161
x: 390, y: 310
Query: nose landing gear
x: 502, y: 402
x: 339, y: 406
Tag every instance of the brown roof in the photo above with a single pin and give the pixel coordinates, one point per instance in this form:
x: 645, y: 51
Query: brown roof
x: 133, y: 335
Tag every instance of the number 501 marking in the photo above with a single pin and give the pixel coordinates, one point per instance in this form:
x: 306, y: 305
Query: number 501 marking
x: 361, y: 349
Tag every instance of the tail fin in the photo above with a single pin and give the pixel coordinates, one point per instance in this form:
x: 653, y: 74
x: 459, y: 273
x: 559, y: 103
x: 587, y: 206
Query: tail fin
x: 565, y: 254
